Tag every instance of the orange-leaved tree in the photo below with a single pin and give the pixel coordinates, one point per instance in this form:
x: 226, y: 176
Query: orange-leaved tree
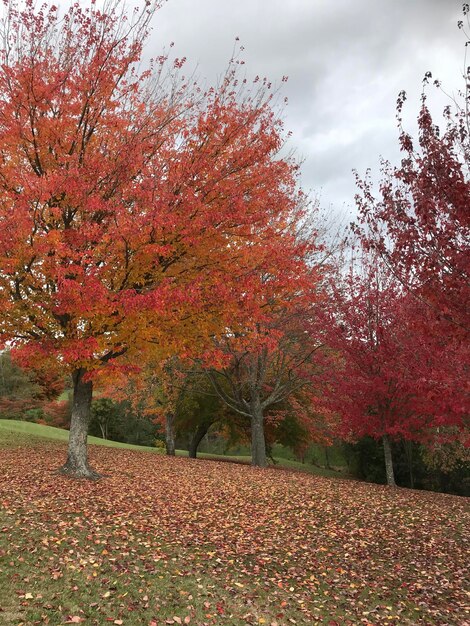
x: 138, y: 213
x: 264, y: 366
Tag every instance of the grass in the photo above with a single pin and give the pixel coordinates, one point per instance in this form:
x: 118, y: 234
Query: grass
x: 30, y: 430
x: 173, y: 540
x: 315, y: 455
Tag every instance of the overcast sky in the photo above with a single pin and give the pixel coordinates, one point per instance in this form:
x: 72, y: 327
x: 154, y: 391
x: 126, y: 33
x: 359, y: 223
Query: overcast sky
x: 346, y: 62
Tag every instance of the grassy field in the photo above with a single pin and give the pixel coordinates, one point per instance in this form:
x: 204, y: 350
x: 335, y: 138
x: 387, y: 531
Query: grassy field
x: 179, y: 541
x: 16, y: 432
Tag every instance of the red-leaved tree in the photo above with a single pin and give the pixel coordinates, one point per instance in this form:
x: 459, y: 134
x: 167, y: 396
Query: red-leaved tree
x: 420, y: 227
x: 372, y: 386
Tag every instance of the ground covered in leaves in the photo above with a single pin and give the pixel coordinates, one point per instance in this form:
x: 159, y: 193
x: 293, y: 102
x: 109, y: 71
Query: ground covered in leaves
x: 178, y: 541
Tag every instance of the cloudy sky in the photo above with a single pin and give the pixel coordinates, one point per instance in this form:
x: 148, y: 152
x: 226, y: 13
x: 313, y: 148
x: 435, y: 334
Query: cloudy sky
x: 346, y: 62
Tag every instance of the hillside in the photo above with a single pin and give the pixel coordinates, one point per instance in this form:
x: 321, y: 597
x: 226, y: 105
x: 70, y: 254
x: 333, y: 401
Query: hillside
x: 178, y: 541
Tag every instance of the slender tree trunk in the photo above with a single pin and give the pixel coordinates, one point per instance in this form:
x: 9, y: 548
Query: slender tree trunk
x: 258, y: 443
x: 269, y: 452
x: 170, y: 433
x: 408, y: 445
x: 77, y: 458
x: 103, y: 429
x: 388, y: 461
x: 327, y: 458
x: 196, y: 439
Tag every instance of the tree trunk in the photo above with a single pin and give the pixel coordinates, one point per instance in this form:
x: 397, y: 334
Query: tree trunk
x: 388, y: 461
x: 258, y: 444
x: 170, y: 433
x: 77, y: 458
x: 104, y: 430
x: 196, y: 439
x: 408, y: 446
x: 327, y: 458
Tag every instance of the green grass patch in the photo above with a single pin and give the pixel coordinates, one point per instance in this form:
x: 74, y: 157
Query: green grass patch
x: 13, y: 432
x: 29, y: 431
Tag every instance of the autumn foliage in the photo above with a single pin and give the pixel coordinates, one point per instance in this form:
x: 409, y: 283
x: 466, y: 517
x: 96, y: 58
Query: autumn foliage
x: 138, y: 214
x: 420, y: 228
x: 145, y: 221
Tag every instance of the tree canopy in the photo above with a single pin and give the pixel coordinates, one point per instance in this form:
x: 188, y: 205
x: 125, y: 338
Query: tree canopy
x: 138, y: 213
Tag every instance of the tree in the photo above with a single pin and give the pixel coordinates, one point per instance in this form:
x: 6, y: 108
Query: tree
x: 137, y: 213
x: 420, y: 226
x: 198, y: 410
x: 29, y: 393
x: 102, y: 413
x: 176, y: 398
x: 303, y: 419
x: 266, y: 367
x: 18, y: 391
x: 421, y: 223
x: 370, y: 386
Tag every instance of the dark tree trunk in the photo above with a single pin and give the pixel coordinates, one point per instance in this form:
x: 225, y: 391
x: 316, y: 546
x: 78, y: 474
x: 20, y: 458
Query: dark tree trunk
x: 77, y: 458
x: 327, y: 458
x: 170, y: 433
x: 388, y: 461
x: 269, y: 453
x: 408, y: 446
x: 196, y: 439
x: 258, y: 444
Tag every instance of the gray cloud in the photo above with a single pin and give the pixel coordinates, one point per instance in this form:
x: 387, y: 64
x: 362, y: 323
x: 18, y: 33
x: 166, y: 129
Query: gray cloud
x: 346, y: 62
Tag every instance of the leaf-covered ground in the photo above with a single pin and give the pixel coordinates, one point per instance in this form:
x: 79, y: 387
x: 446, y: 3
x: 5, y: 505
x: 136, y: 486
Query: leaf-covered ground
x: 178, y: 541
